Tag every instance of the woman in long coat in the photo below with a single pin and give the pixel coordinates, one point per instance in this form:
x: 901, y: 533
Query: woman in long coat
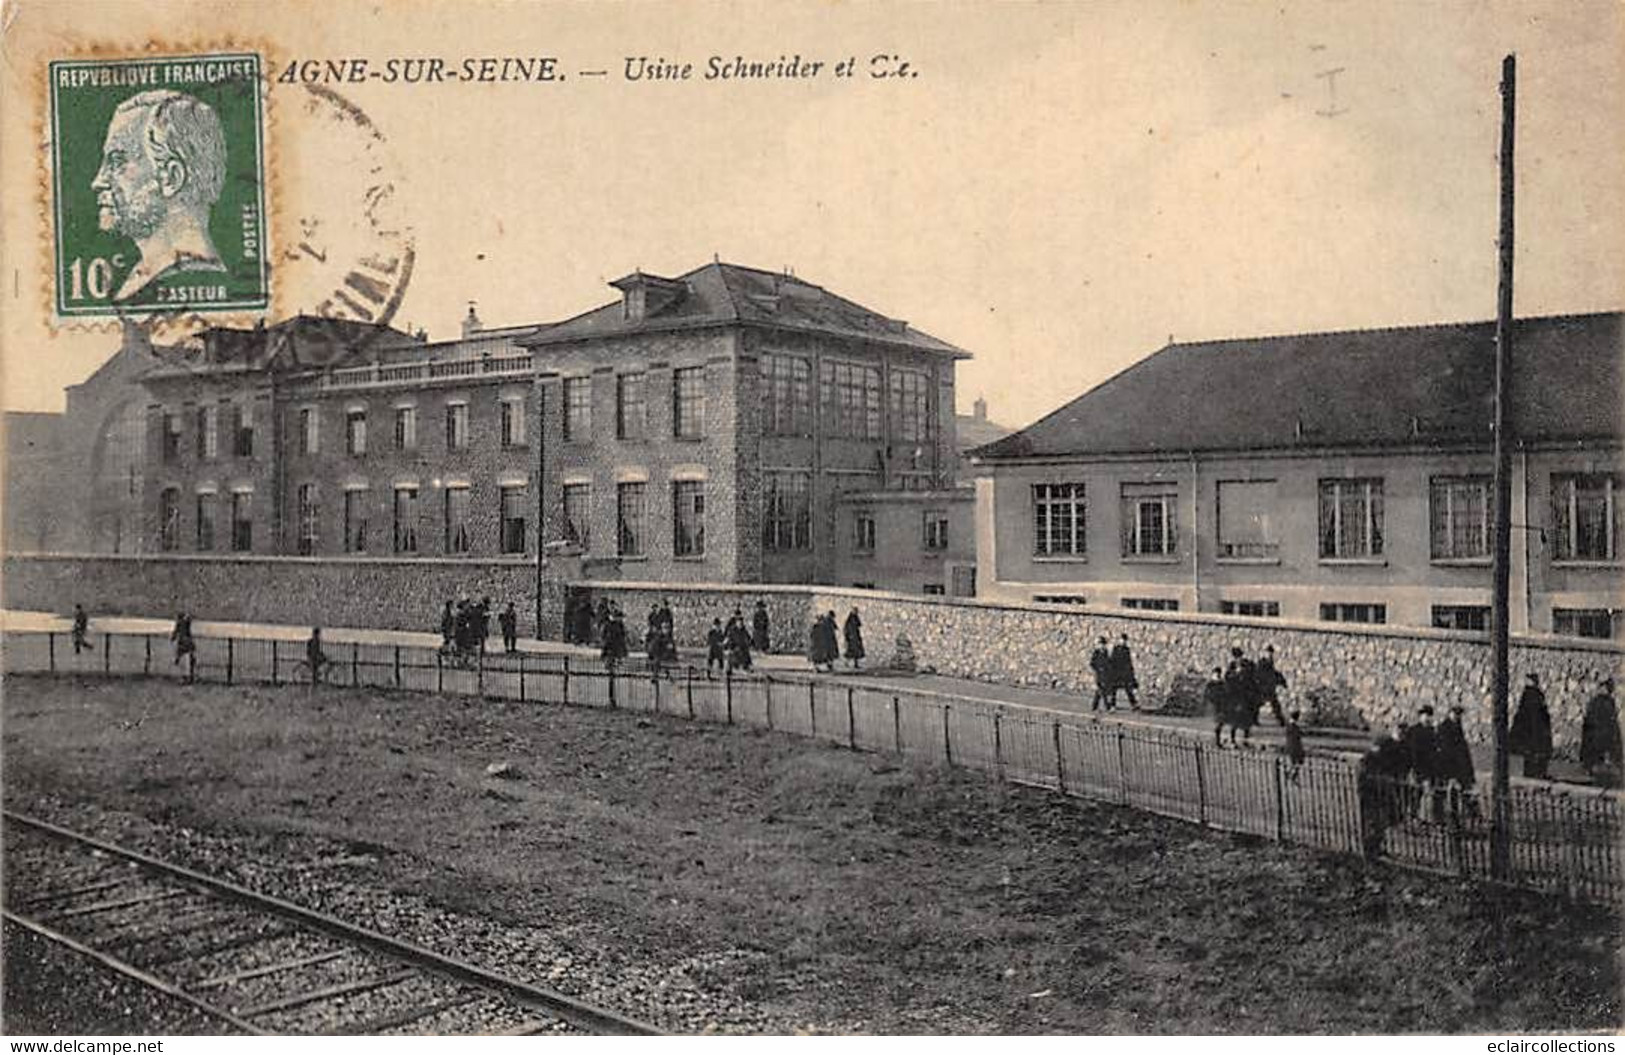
x: 853, y: 632
x: 1600, y: 748
x: 821, y: 643
x: 1531, y: 731
x: 760, y: 628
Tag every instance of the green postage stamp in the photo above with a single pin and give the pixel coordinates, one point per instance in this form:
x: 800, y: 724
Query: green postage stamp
x: 158, y: 174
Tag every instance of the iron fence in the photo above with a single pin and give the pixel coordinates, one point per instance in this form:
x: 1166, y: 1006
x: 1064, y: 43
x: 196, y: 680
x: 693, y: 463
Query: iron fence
x: 1565, y: 841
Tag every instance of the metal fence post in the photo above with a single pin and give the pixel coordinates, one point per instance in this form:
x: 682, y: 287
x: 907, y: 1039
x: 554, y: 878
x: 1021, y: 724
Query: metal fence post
x: 146, y: 663
x: 654, y: 682
x: 612, y: 703
x: 107, y: 653
x: 355, y: 663
x: 521, y: 679
x: 567, y: 680
x: 1122, y: 770
x: 1060, y: 760
x: 812, y: 708
x: 947, y: 737
x: 851, y: 722
x: 50, y: 645
x: 1280, y: 803
x: 274, y: 674
x: 1201, y: 787
x: 439, y: 672
x: 479, y: 675
x: 896, y: 724
x: 231, y: 659
x: 688, y: 689
x: 767, y: 693
x: 397, y: 666
x: 998, y: 745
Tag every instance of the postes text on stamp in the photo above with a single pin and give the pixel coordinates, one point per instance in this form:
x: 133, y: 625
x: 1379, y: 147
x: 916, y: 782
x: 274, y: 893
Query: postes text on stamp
x: 158, y: 174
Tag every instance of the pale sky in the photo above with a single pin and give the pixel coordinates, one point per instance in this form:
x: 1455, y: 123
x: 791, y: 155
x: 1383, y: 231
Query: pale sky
x: 1062, y: 187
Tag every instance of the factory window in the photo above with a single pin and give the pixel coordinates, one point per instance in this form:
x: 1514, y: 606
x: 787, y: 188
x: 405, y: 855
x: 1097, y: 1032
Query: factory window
x: 1354, y: 613
x: 310, y: 512
x: 630, y: 518
x: 911, y: 406
x: 513, y: 421
x: 406, y: 520
x: 169, y: 519
x: 208, y: 432
x: 406, y: 428
x: 631, y: 409
x: 688, y: 518
x: 242, y: 522
x: 850, y: 393
x: 171, y: 437
x: 1266, y: 609
x: 1150, y: 520
x: 577, y: 504
x: 786, y: 395
x: 863, y: 532
x: 936, y: 530
x: 1461, y: 616
x: 205, y: 522
x: 578, y: 408
x: 456, y: 426
x: 513, y: 518
x: 456, y: 520
x: 688, y: 401
x: 787, y: 508
x: 1459, y: 516
x: 1149, y: 604
x: 355, y: 520
x: 355, y: 432
x: 243, y: 432
x: 1351, y: 519
x: 1060, y: 517
x: 309, y: 428
x: 1583, y: 622
x: 1585, y: 517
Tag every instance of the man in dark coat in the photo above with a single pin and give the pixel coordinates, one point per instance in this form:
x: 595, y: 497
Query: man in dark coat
x: 738, y: 642
x: 821, y: 647
x: 1455, y: 763
x: 1531, y: 732
x: 1100, y: 661
x: 605, y: 612
x: 182, y: 636
x: 1600, y: 749
x: 315, y: 657
x: 852, y: 631
x: 1241, y: 694
x: 1295, y: 753
x: 448, y: 626
x: 81, y: 628
x: 715, y: 647
x: 1122, y: 671
x: 584, y: 621
x: 482, y: 622
x: 1421, y: 745
x: 760, y: 628
x: 1270, y: 682
x: 614, y: 647
x: 509, y: 620
x: 1381, y: 769
x: 668, y: 633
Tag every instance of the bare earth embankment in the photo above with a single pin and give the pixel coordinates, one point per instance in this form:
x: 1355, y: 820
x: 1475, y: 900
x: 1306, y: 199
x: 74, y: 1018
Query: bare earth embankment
x: 708, y: 877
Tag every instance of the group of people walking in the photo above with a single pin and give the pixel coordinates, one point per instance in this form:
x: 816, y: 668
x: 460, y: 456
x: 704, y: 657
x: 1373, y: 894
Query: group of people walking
x: 464, y: 626
x: 728, y: 647
x: 823, y: 648
x: 1236, y: 693
x: 1530, y: 734
x: 1113, y: 667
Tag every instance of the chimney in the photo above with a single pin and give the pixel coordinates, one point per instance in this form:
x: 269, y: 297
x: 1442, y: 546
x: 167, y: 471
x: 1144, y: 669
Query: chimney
x: 471, y: 322
x: 979, y: 409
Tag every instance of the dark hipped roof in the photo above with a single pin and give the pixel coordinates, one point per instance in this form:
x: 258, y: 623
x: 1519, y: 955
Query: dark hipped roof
x: 1400, y: 386
x: 719, y: 293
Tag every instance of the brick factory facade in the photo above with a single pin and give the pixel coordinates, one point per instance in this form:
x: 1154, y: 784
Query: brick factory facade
x: 1332, y: 477
x: 696, y: 429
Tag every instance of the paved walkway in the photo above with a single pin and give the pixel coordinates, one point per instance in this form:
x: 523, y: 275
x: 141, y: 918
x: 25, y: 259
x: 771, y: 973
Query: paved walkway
x: 1266, y: 733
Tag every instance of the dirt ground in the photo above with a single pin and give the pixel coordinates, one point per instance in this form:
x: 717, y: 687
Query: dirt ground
x: 820, y: 888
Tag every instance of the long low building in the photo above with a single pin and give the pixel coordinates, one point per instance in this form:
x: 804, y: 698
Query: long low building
x: 1330, y: 476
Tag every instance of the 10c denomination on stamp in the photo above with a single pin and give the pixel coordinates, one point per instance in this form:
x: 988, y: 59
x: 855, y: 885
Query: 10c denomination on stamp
x: 158, y: 174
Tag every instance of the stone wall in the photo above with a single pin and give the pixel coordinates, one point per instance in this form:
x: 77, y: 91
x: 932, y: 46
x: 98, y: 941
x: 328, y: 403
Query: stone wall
x: 382, y: 594
x: 1378, y: 675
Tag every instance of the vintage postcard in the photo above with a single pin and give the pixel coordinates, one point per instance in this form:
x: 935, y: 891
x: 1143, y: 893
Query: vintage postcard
x: 561, y: 518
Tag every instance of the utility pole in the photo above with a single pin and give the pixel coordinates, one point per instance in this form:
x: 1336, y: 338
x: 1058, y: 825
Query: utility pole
x: 1500, y: 615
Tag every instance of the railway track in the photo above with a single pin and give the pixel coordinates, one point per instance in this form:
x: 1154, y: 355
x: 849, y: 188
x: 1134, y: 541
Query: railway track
x: 259, y: 964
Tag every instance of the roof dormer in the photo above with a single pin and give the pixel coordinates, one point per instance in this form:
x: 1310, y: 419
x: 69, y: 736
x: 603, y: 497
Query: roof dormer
x: 643, y: 296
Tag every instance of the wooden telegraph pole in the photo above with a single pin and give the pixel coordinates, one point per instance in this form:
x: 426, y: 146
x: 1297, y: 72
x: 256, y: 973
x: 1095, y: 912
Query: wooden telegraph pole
x: 1500, y: 614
